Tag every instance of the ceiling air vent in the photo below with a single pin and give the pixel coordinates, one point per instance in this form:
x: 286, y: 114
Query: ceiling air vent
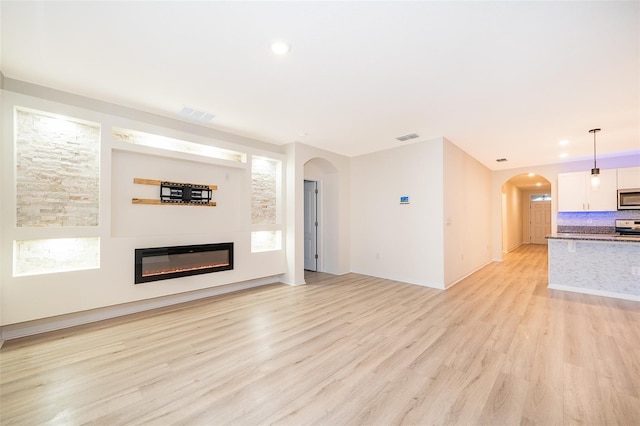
x: 501, y: 160
x: 407, y: 137
x: 192, y: 114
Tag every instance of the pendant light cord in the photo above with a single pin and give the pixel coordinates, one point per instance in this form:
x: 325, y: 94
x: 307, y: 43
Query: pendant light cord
x: 594, y: 131
x: 594, y: 150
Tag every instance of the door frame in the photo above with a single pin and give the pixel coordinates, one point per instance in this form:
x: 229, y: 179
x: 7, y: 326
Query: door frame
x: 319, y: 245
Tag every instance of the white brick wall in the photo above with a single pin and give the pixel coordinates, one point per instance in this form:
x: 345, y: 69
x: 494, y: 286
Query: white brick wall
x: 264, y: 173
x: 57, y: 171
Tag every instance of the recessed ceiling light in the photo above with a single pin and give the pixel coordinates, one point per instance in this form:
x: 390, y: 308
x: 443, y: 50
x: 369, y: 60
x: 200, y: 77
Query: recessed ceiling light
x: 280, y: 48
x: 531, y: 174
x: 563, y: 142
x: 538, y: 184
x: 563, y: 155
x: 302, y: 134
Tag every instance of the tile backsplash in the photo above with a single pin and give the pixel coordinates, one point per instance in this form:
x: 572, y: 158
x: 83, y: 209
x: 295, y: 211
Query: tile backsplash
x: 593, y: 222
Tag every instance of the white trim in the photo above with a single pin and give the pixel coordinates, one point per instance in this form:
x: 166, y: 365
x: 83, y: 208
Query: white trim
x: 428, y: 285
x: 29, y: 328
x: 293, y: 283
x: 514, y: 248
x: 320, y: 220
x: 604, y: 293
x: 447, y: 287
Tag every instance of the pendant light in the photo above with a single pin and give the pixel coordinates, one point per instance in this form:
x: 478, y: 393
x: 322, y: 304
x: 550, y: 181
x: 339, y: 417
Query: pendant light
x: 595, y: 172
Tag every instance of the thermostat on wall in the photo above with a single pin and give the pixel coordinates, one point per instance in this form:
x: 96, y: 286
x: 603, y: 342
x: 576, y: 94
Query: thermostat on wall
x: 404, y: 199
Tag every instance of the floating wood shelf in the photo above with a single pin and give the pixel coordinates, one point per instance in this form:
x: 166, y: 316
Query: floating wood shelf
x: 178, y: 194
x: 159, y: 182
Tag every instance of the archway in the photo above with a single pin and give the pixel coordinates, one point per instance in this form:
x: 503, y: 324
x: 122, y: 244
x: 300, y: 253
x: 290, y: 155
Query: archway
x: 321, y: 180
x: 526, y: 210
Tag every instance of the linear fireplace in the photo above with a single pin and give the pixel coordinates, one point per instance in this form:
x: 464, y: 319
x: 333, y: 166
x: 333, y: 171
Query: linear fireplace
x: 162, y: 263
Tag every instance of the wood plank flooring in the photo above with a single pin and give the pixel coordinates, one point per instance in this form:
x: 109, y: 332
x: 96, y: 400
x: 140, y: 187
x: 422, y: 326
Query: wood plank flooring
x: 497, y: 348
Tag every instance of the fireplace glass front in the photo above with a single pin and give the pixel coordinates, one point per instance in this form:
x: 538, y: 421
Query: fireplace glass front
x: 161, y: 263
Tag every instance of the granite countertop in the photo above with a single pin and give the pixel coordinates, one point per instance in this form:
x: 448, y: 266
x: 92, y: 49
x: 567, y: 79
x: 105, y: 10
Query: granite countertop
x: 595, y: 237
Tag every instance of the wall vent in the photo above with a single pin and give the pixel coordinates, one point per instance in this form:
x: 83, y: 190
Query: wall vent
x: 407, y: 137
x: 195, y: 115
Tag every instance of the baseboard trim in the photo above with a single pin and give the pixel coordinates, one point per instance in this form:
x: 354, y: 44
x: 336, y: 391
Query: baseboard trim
x: 470, y: 273
x: 509, y: 250
x: 29, y: 328
x: 592, y: 292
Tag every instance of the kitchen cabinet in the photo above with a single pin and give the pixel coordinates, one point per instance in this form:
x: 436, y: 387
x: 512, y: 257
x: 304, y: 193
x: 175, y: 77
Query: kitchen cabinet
x: 629, y: 178
x: 575, y: 193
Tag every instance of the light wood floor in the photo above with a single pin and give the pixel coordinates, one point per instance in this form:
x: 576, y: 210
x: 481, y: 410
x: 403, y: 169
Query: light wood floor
x: 498, y: 348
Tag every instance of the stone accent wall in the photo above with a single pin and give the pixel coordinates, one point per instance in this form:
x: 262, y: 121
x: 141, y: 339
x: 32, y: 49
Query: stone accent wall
x: 264, y: 190
x: 33, y: 257
x: 57, y: 171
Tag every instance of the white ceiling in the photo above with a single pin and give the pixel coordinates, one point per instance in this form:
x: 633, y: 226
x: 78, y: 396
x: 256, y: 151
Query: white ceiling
x: 499, y: 79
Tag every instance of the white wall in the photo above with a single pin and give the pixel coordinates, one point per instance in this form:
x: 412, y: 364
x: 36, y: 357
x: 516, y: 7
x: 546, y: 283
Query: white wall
x: 294, y: 213
x: 399, y: 241
x: 2, y: 253
x: 513, y: 218
x: 442, y: 235
x: 467, y: 211
x: 124, y: 226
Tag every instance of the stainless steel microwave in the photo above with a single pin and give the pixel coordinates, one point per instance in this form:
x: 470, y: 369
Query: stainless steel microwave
x: 629, y: 199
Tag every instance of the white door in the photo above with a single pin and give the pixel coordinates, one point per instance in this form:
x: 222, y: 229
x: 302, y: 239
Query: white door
x: 540, y: 226
x: 310, y: 225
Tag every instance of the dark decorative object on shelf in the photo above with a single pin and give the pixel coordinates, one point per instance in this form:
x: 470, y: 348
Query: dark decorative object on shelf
x: 178, y: 193
x: 188, y: 193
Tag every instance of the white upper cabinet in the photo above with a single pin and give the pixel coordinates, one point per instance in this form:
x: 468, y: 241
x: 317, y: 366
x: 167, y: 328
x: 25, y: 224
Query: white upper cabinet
x: 575, y: 193
x: 629, y: 178
x: 571, y: 192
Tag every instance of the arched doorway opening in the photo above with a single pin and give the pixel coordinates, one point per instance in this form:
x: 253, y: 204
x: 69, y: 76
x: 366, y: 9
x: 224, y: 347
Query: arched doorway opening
x: 526, y: 211
x: 320, y: 215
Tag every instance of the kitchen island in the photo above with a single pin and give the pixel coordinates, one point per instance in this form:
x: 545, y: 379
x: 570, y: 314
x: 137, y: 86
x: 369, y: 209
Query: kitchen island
x: 600, y: 264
